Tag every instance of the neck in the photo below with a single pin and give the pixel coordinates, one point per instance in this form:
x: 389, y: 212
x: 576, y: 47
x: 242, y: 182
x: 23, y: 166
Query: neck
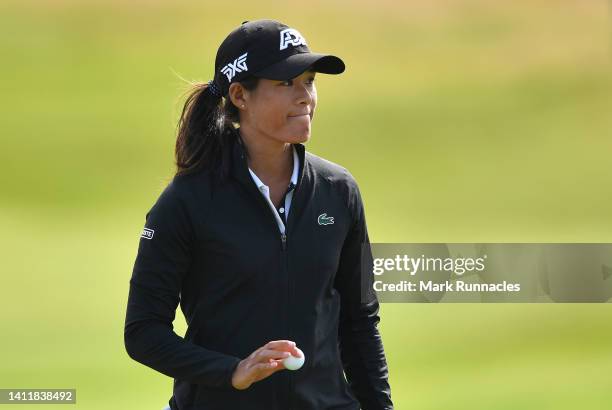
x: 269, y: 159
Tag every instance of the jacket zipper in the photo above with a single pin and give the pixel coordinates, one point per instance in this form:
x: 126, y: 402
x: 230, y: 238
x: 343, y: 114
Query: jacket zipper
x: 286, y: 268
x: 289, y: 289
x: 283, y: 237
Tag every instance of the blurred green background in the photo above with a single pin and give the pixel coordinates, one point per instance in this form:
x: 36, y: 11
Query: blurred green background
x: 462, y: 121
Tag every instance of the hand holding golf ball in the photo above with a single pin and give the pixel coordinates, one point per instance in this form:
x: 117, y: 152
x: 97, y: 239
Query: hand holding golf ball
x: 294, y: 362
x: 265, y: 361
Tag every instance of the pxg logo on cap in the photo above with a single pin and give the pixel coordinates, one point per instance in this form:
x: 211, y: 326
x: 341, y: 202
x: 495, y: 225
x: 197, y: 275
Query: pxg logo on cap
x: 237, y: 66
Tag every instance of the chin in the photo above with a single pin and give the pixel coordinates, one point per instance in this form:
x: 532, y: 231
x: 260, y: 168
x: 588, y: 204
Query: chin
x: 298, y: 136
x: 301, y: 138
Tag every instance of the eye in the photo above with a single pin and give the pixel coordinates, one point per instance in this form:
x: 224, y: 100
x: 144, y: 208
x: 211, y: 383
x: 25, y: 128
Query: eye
x: 311, y: 80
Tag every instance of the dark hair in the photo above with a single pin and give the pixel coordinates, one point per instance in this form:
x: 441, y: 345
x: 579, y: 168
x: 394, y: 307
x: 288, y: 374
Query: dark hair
x: 206, y: 130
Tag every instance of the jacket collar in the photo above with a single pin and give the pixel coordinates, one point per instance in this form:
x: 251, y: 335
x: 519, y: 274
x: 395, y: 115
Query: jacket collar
x: 294, y: 176
x: 240, y: 168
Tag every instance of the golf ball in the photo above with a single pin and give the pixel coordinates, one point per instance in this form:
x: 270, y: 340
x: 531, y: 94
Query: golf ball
x: 294, y: 363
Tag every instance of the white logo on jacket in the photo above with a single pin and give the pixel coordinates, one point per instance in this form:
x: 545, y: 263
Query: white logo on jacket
x: 237, y: 66
x: 290, y: 36
x: 147, y: 233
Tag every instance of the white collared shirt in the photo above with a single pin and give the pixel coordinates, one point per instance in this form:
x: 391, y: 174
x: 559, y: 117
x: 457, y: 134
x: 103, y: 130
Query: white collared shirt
x: 265, y: 191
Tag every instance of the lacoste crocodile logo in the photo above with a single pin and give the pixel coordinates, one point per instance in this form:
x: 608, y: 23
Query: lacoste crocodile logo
x: 323, y: 219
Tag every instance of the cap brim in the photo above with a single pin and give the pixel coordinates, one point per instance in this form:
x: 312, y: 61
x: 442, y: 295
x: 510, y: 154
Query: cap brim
x: 296, y: 64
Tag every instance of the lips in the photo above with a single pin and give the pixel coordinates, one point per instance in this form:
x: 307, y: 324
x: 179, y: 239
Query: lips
x: 300, y: 115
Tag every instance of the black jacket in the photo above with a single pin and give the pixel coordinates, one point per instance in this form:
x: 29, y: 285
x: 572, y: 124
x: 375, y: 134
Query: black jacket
x: 217, y: 249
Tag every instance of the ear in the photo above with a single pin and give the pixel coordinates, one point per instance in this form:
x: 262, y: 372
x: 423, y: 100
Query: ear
x: 237, y: 94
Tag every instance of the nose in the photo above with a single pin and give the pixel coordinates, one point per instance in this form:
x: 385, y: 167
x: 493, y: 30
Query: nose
x: 305, y: 94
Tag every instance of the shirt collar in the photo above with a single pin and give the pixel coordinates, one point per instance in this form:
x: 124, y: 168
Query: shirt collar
x: 294, y: 175
x: 240, y: 169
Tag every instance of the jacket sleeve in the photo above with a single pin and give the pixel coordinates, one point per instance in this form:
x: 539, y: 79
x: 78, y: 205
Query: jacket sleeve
x: 163, y: 259
x: 361, y: 347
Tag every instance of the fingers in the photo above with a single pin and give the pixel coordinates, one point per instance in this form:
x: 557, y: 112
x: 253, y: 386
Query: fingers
x: 285, y: 345
x: 272, y: 364
x: 263, y: 362
x: 265, y: 368
x: 269, y: 354
x: 282, y: 345
x: 278, y: 364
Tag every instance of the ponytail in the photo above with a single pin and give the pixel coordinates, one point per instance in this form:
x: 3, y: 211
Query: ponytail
x: 206, y: 130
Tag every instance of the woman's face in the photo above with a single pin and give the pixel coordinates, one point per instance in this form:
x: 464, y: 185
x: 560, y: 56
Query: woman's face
x: 281, y: 110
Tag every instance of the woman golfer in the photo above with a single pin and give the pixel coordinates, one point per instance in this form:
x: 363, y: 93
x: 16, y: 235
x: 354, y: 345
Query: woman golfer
x: 263, y: 244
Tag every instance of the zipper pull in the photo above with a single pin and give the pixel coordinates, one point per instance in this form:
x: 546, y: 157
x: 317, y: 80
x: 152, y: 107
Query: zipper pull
x: 284, y: 240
